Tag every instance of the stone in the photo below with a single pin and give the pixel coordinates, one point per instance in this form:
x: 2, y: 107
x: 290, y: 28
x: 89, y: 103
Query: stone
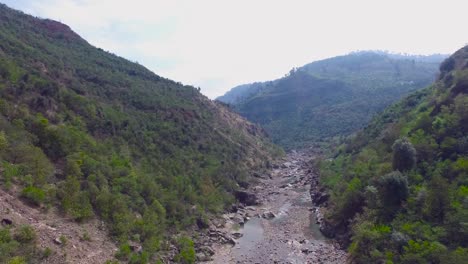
x: 319, y: 198
x: 237, y: 235
x: 208, y: 251
x: 238, y: 220
x: 202, y: 257
x: 58, y: 241
x: 268, y: 215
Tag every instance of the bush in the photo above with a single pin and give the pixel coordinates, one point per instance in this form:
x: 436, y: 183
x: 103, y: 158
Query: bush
x: 186, y: 251
x: 25, y: 234
x: 33, y: 195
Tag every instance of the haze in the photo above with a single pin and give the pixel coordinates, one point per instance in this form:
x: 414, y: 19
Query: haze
x: 216, y: 45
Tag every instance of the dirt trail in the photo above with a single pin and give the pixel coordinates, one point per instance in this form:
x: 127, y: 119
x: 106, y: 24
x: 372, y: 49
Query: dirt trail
x: 282, y: 229
x: 86, y: 243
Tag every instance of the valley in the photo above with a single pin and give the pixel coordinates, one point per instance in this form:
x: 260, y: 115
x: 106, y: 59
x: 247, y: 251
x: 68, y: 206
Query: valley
x: 358, y: 158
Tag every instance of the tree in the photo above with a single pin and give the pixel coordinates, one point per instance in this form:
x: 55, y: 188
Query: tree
x: 437, y: 202
x: 404, y: 155
x: 393, y: 191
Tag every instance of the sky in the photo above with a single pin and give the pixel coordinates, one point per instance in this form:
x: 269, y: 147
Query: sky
x: 218, y: 44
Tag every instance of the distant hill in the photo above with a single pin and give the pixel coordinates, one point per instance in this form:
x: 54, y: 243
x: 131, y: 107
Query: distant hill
x: 332, y: 97
x: 399, y: 187
x: 97, y: 136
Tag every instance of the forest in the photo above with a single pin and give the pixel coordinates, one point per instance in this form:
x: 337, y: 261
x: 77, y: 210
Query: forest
x: 399, y: 187
x: 331, y: 98
x: 95, y: 135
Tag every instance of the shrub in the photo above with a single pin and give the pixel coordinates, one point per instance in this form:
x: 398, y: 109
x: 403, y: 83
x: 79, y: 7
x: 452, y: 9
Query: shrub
x: 25, y: 234
x: 33, y: 195
x: 186, y: 251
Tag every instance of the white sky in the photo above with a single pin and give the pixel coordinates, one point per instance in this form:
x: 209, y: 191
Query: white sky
x: 217, y: 44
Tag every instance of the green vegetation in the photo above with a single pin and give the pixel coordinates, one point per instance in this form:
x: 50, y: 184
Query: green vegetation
x: 186, y: 251
x: 99, y: 136
x: 17, y: 245
x: 399, y: 188
x: 333, y: 97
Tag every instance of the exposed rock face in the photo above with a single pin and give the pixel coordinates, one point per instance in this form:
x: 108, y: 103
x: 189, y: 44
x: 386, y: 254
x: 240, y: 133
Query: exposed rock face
x: 246, y: 197
x: 320, y: 199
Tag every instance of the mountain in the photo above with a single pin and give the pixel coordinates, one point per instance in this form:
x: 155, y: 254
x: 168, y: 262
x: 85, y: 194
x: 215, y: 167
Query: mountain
x: 93, y: 135
x: 332, y: 97
x: 399, y: 188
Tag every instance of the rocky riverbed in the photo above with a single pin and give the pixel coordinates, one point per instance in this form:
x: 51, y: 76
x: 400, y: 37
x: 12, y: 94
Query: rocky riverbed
x: 275, y: 223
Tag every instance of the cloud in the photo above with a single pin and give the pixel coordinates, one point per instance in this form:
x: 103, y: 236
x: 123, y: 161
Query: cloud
x: 217, y: 44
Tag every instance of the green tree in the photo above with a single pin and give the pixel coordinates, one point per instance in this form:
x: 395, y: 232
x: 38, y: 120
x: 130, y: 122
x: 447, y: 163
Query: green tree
x: 437, y: 201
x: 186, y: 251
x: 404, y: 155
x: 393, y: 191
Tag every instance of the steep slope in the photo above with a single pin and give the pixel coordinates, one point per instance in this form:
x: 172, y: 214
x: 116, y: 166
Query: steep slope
x: 98, y: 136
x: 332, y: 97
x: 399, y: 188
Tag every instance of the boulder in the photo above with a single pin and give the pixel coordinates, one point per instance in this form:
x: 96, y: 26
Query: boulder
x: 203, y: 223
x: 319, y: 198
x: 208, y: 251
x: 237, y: 235
x: 58, y: 241
x: 201, y: 257
x: 246, y: 197
x: 238, y: 219
x: 268, y: 215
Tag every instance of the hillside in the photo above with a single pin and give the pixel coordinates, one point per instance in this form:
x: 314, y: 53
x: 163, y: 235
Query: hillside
x: 399, y: 188
x: 332, y: 97
x: 93, y: 136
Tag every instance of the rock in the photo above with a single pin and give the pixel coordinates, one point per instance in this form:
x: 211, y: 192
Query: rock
x: 58, y: 241
x: 246, y: 197
x: 237, y: 235
x: 208, y: 251
x: 319, y: 198
x: 7, y: 222
x: 203, y: 223
x: 219, y: 222
x: 228, y: 240
x: 234, y: 208
x: 286, y: 165
x: 202, y: 257
x: 136, y: 248
x: 268, y: 215
x: 238, y: 219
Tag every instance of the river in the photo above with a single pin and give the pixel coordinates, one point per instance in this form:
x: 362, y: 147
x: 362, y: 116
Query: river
x: 282, y: 228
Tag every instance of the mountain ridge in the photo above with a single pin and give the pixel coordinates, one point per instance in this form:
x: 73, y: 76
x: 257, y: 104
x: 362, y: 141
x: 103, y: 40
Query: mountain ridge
x: 332, y: 97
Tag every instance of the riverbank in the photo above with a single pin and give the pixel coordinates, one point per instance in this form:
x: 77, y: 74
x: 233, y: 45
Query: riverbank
x: 279, y: 225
